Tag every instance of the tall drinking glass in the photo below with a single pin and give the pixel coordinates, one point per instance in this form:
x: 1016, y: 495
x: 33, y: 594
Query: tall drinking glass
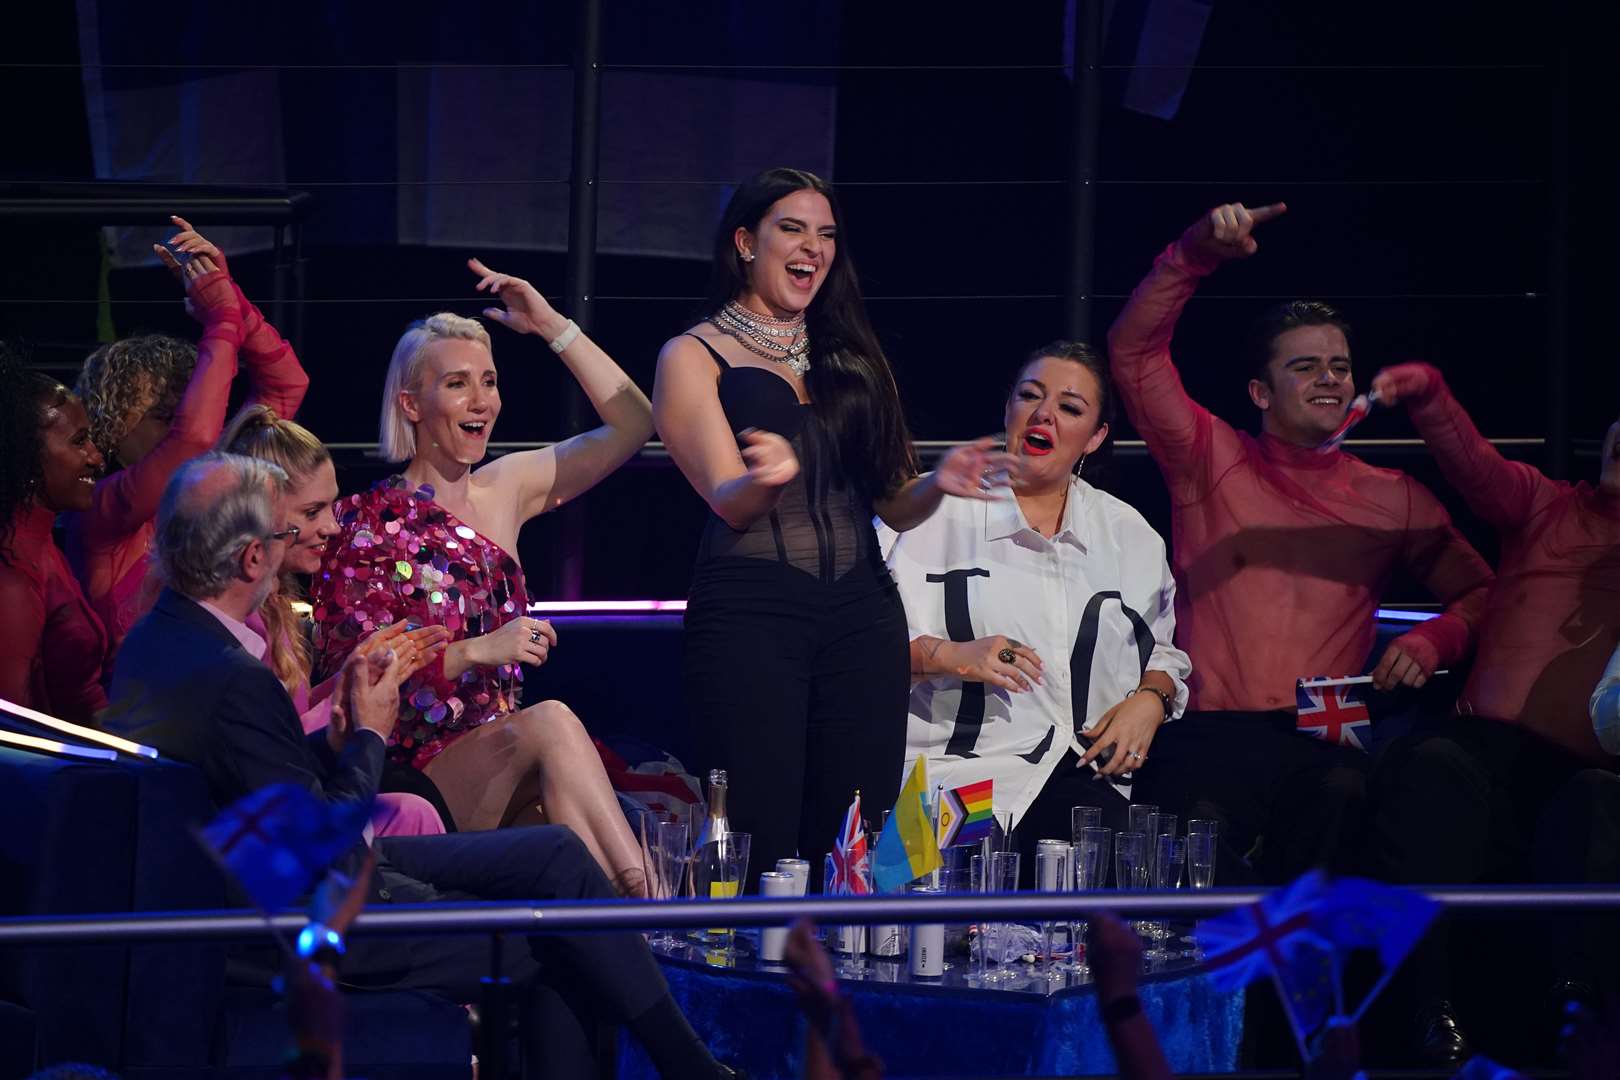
x: 670, y: 855
x: 1201, y: 859
x: 1091, y: 855
x: 1081, y: 818
x: 1170, y: 856
x: 1054, y: 860
x: 1131, y: 860
x: 1163, y: 825
x: 1002, y: 880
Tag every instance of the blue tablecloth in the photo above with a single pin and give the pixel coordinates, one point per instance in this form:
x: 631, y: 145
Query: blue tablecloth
x: 750, y: 1017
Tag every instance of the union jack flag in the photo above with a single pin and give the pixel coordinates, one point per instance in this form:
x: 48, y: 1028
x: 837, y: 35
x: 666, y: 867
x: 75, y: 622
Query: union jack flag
x: 851, y: 876
x: 1334, y: 714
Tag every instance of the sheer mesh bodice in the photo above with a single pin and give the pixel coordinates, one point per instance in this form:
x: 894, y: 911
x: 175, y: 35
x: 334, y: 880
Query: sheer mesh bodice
x: 820, y: 525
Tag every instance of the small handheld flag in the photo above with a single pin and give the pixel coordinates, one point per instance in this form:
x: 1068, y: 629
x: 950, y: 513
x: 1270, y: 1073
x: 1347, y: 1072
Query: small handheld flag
x: 1359, y: 408
x: 850, y: 870
x: 965, y: 814
x: 1334, y: 714
x: 278, y: 841
x: 907, y: 849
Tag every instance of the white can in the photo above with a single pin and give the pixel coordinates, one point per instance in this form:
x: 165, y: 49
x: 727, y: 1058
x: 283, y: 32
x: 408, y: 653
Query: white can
x: 849, y: 940
x: 773, y: 939
x: 928, y: 941
x: 800, y: 871
x: 1053, y: 871
x: 886, y: 939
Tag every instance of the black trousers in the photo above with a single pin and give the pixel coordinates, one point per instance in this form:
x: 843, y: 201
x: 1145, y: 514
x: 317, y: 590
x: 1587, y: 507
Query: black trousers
x: 1463, y: 800
x: 1048, y: 817
x: 570, y: 986
x: 1299, y: 798
x: 798, y: 689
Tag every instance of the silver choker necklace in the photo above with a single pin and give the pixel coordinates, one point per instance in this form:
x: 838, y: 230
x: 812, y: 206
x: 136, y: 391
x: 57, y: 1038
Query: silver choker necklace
x: 781, y: 341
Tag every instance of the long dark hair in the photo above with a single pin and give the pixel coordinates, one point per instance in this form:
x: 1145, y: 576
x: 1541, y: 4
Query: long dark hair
x: 851, y: 386
x: 1094, y: 466
x: 21, y: 420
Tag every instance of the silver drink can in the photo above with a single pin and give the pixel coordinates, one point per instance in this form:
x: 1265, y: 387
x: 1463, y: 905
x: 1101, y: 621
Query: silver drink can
x: 1051, y: 870
x: 800, y: 871
x: 886, y: 939
x: 773, y: 939
x: 850, y: 940
x: 928, y: 940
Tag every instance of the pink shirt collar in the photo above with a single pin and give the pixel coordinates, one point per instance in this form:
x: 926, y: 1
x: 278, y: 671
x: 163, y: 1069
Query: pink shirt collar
x: 252, y: 642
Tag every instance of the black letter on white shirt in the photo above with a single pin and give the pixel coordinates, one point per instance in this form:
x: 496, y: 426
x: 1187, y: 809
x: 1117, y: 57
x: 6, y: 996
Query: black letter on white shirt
x: 959, y: 625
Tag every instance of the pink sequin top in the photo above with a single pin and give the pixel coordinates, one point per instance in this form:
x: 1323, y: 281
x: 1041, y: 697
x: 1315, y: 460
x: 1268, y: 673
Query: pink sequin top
x: 400, y: 555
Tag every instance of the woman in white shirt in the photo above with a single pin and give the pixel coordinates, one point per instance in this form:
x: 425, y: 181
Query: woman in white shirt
x: 1042, y: 621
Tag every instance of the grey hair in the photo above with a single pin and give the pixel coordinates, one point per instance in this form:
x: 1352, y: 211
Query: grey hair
x: 200, y: 535
x: 396, y: 436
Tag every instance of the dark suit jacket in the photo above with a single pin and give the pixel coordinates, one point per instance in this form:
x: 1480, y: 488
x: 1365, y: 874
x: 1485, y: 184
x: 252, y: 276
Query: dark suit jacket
x: 184, y: 684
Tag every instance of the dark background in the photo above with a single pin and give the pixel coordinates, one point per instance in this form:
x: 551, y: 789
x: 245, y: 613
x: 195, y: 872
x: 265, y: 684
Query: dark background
x: 1417, y: 146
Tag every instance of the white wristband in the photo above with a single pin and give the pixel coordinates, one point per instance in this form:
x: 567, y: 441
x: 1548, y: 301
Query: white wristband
x: 566, y: 338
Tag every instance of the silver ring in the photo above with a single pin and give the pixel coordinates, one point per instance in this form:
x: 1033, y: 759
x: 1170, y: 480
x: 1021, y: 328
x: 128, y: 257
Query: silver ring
x: 534, y: 635
x: 1134, y: 754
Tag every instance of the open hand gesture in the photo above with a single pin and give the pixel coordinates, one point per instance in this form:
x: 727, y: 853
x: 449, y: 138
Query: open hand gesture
x: 974, y: 470
x: 525, y: 310
x: 1226, y: 232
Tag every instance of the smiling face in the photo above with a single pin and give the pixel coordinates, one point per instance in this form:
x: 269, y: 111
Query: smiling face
x: 456, y: 401
x: 70, y: 462
x: 1053, y: 419
x: 793, y: 247
x: 1308, y: 384
x: 309, y: 506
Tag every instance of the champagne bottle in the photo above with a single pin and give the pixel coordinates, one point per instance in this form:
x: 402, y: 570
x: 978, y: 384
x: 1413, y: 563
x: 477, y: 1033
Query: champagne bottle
x: 716, y: 828
x: 716, y: 825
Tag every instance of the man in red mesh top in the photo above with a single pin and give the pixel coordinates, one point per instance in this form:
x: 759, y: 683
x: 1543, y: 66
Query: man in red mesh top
x: 1518, y: 784
x: 1281, y: 549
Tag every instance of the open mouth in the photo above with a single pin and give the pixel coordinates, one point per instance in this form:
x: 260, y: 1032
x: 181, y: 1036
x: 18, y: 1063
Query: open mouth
x: 1325, y: 401
x: 88, y: 478
x: 1037, y: 443
x: 802, y: 273
x: 476, y: 428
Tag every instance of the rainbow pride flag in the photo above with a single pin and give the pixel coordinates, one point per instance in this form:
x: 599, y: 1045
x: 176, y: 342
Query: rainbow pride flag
x: 965, y: 814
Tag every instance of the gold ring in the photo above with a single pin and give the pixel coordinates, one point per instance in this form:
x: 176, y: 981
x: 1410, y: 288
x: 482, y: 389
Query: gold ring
x: 1006, y: 656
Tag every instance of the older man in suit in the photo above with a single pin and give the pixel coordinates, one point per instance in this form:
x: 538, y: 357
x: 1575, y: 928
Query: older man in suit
x: 190, y: 680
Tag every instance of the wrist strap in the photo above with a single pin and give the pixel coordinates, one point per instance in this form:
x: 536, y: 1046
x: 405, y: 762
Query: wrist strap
x: 1123, y: 1009
x: 1164, y: 698
x: 566, y: 338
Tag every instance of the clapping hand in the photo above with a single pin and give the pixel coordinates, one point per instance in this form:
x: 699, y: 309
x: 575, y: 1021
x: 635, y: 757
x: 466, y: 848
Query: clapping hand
x: 1226, y: 232
x: 975, y: 469
x: 770, y: 458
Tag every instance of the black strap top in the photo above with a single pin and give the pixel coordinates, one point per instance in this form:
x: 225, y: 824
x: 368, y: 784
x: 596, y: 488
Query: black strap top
x: 820, y: 525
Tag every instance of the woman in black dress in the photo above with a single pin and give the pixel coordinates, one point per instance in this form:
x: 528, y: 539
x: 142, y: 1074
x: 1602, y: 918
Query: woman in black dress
x: 781, y: 411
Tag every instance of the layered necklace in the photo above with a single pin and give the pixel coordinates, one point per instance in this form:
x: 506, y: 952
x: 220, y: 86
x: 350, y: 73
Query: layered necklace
x: 781, y: 341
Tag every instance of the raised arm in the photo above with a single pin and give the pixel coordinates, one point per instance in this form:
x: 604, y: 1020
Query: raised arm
x: 1449, y: 567
x: 129, y: 498
x: 970, y: 471
x: 1181, y: 435
x: 544, y: 479
x: 1504, y: 493
x: 275, y: 377
x: 740, y: 484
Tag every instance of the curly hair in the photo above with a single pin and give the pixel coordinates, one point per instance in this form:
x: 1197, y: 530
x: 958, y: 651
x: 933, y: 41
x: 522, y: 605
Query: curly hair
x: 111, y: 383
x: 21, y: 418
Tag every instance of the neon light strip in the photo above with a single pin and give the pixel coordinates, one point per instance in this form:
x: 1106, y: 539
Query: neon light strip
x: 29, y: 742
x: 604, y: 607
x: 81, y: 732
x: 1399, y: 615
x: 610, y: 607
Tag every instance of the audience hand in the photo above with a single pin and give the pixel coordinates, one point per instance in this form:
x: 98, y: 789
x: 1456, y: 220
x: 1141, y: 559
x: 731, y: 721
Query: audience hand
x: 975, y: 470
x: 525, y: 310
x: 416, y: 648
x: 980, y: 661
x: 1226, y: 231
x: 770, y: 458
x: 1129, y: 728
x: 367, y: 696
x: 521, y: 641
x: 1408, y: 661
x: 1403, y: 381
